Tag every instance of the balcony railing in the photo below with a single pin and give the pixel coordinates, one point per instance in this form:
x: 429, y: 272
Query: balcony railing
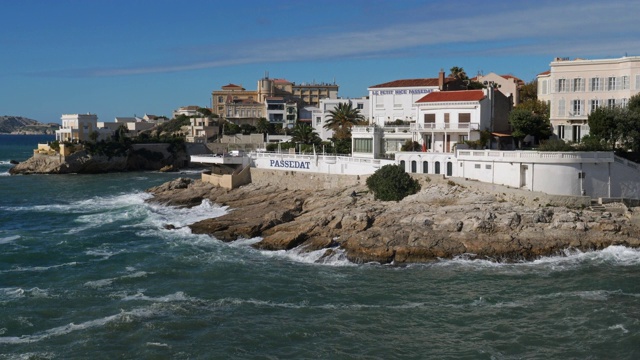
x: 444, y: 126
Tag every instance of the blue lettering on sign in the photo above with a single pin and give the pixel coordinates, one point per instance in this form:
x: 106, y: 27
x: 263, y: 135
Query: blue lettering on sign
x: 290, y: 164
x: 401, y: 92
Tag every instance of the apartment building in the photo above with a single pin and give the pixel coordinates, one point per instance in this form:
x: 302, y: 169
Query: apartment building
x: 575, y: 88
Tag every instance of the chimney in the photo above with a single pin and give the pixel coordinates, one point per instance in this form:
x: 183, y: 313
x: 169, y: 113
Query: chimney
x: 441, y: 80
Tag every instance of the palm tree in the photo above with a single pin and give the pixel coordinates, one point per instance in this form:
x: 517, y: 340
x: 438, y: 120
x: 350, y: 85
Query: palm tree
x: 303, y: 133
x: 342, y: 118
x: 458, y: 73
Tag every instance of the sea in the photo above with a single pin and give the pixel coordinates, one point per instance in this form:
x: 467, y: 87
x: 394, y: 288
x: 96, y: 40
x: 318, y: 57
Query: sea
x: 88, y: 270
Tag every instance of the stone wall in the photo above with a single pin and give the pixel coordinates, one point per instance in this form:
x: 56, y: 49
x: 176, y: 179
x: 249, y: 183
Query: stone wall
x: 293, y: 180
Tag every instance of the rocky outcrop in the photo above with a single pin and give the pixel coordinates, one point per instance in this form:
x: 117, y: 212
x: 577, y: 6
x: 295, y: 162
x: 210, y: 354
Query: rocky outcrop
x: 82, y: 162
x: 26, y: 126
x: 441, y: 221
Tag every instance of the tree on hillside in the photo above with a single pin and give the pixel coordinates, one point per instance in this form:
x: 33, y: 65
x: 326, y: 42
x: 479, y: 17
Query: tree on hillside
x: 342, y: 118
x: 204, y: 111
x: 525, y: 122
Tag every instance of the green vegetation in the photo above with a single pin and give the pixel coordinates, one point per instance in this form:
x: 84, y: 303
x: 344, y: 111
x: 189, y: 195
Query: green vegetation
x: 411, y: 146
x: 530, y: 119
x: 303, y: 133
x: 392, y: 183
x: 342, y: 119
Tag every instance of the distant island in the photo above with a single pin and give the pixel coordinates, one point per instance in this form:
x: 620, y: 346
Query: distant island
x: 19, y: 125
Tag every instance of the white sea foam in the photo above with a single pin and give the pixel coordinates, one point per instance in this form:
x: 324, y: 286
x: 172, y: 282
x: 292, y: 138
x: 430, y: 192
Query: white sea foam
x: 19, y: 293
x: 329, y: 257
x: 619, y: 327
x: 5, y: 173
x: 158, y: 344
x: 39, y: 268
x: 8, y: 239
x: 176, y: 297
x: 569, y: 259
x: 107, y: 282
x: 123, y: 316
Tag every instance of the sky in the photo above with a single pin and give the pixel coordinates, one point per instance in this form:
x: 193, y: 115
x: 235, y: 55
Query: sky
x: 131, y: 57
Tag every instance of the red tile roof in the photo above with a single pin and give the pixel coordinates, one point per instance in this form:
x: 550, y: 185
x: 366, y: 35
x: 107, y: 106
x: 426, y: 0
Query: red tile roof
x: 410, y: 83
x: 545, y: 73
x: 281, y: 81
x: 232, y: 86
x: 462, y: 95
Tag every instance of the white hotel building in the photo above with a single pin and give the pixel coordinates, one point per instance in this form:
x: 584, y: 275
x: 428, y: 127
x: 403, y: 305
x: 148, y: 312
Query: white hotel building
x: 575, y: 88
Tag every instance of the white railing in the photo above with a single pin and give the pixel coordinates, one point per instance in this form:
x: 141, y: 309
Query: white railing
x: 543, y: 156
x: 444, y: 126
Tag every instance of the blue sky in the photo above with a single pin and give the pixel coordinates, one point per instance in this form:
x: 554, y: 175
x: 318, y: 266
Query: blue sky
x: 120, y: 58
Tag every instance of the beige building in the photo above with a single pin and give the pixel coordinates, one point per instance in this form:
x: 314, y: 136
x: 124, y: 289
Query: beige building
x: 240, y: 105
x: 575, y: 88
x: 76, y: 127
x: 509, y: 85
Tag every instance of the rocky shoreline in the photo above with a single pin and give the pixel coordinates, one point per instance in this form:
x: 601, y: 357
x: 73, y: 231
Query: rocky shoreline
x: 443, y: 220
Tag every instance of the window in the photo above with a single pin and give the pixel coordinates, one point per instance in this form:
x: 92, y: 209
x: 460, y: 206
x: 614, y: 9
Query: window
x: 437, y: 167
x: 425, y: 167
x: 561, y: 107
x: 576, y: 134
x: 611, y: 103
x: 638, y: 82
x: 360, y: 106
x: 446, y: 118
x: 429, y: 118
x: 318, y: 120
x: 625, y: 83
x: 462, y: 139
x: 414, y: 166
x: 220, y: 99
x: 595, y: 104
x: 427, y: 140
x: 623, y: 102
x: 402, y: 164
x: 577, y: 107
x: 544, y: 87
x: 577, y: 85
x: 561, y: 85
x: 363, y: 145
x: 560, y: 131
x: 477, y: 166
x: 611, y: 83
x: 595, y: 84
x: 488, y: 167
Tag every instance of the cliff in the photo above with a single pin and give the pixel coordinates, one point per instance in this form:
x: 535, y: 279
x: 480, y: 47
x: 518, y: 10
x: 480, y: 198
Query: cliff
x: 22, y: 125
x: 139, y: 157
x: 444, y: 220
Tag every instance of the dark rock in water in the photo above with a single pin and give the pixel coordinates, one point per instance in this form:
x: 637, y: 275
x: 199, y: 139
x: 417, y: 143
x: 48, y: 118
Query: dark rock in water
x: 168, y: 168
x: 169, y: 227
x: 14, y: 162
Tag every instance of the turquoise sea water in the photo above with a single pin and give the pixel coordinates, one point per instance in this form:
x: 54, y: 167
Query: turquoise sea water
x: 87, y: 270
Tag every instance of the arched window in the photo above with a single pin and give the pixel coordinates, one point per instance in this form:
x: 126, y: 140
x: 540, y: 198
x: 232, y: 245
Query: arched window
x: 402, y: 165
x: 414, y: 166
x: 437, y: 167
x: 449, y: 168
x: 425, y: 167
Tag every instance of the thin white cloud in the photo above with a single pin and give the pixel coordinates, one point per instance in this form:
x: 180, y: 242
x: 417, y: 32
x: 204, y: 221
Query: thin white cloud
x: 567, y: 29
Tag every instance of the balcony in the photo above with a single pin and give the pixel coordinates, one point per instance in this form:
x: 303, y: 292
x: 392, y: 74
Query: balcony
x: 428, y: 127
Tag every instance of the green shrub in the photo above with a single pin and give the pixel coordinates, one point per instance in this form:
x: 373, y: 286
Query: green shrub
x: 392, y: 183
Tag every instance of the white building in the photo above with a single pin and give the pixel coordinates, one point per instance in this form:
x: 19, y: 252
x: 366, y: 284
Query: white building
x: 191, y: 110
x: 76, y: 127
x: 322, y: 114
x: 575, y: 88
x: 447, y: 118
x: 394, y: 101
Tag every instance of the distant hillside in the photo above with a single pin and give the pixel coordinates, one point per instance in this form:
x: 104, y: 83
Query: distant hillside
x: 22, y: 125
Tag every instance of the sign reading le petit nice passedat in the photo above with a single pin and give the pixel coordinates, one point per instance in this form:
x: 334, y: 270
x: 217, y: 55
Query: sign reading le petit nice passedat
x: 402, y: 91
x: 290, y: 164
